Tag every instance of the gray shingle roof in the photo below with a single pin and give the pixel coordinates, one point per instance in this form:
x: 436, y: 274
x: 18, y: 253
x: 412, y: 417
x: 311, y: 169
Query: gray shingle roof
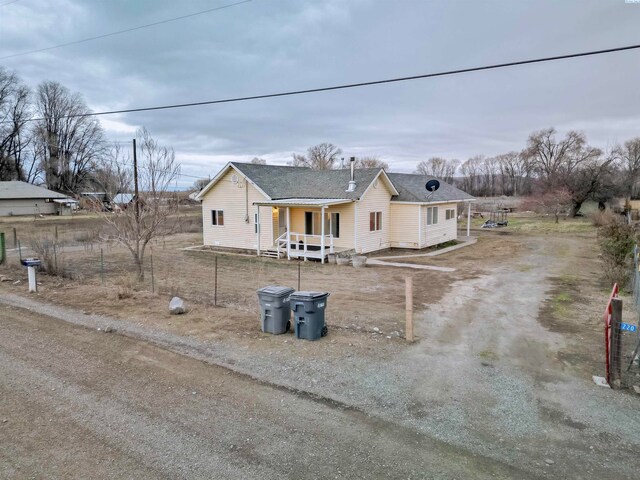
x: 412, y: 189
x: 298, y: 182
x: 15, y: 189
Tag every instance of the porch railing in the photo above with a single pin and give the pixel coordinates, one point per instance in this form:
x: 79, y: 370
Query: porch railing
x: 300, y: 243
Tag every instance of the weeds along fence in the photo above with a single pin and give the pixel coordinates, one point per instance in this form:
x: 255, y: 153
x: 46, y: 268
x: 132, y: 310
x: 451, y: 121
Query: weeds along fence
x: 622, y: 338
x: 368, y: 296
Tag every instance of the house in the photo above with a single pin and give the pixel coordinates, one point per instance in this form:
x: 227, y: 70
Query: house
x: 297, y: 212
x: 22, y: 198
x: 122, y: 200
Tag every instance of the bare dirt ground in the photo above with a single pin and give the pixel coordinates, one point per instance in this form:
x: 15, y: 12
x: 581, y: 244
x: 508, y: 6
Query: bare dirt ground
x: 81, y: 404
x: 507, y: 344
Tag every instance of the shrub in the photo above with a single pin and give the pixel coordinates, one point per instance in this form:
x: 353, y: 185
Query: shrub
x: 48, y: 251
x: 616, y: 241
x: 602, y: 218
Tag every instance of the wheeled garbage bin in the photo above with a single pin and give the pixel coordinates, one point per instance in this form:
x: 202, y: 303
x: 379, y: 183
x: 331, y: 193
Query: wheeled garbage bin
x: 308, y: 314
x: 274, y: 309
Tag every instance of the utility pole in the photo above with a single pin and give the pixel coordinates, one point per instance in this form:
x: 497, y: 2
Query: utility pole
x: 135, y: 182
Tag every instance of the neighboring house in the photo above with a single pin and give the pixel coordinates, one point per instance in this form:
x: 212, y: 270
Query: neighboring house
x: 21, y: 198
x: 302, y: 213
x: 122, y: 200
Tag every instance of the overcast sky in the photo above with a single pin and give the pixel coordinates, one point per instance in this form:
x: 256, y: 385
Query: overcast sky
x: 266, y: 46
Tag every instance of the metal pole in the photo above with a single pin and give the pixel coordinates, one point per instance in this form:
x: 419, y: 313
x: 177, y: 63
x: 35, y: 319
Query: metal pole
x: 298, y: 274
x: 56, y: 233
x: 19, y: 250
x: 215, y: 281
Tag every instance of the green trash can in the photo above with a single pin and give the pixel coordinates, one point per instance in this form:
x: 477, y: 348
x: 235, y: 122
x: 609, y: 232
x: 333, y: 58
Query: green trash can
x: 308, y: 313
x: 275, y: 312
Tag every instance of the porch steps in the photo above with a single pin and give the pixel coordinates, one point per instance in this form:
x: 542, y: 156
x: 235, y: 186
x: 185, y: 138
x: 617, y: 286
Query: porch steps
x: 271, y: 253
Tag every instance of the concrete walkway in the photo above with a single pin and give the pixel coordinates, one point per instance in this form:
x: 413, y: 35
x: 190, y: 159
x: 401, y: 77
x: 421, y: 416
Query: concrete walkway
x: 465, y: 242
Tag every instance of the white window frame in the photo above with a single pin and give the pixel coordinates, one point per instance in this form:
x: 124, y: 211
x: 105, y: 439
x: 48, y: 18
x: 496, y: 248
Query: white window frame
x: 432, y: 215
x: 377, y: 221
x: 215, y: 214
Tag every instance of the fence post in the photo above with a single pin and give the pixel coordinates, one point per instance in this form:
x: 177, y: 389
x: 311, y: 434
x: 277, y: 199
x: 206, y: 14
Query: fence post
x: 15, y: 238
x: 56, y: 233
x: 102, y: 266
x: 408, y: 293
x: 55, y: 258
x: 153, y: 280
x: 615, y: 350
x: 215, y: 280
x: 298, y: 273
x: 19, y: 250
x: 3, y: 248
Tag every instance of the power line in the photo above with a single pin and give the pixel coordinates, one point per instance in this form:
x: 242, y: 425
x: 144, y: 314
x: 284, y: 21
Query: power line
x: 119, y: 32
x: 359, y: 84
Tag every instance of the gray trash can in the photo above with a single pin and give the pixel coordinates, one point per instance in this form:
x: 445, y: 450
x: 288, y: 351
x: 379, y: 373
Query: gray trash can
x: 274, y: 309
x: 308, y: 313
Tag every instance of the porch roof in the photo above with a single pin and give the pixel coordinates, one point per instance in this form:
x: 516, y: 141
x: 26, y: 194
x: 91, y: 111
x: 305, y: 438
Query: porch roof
x: 304, y: 202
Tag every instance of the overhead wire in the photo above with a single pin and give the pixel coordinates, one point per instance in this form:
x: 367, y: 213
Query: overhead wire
x: 119, y: 32
x: 358, y: 84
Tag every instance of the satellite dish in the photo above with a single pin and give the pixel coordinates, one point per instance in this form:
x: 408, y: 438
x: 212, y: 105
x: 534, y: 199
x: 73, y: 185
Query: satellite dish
x: 432, y: 185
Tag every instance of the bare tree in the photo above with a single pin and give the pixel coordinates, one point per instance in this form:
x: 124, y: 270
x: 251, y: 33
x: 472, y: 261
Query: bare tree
x: 15, y: 110
x: 627, y: 158
x: 114, y: 176
x: 471, y: 173
x: 515, y: 172
x: 438, y: 167
x: 258, y: 161
x: 200, y: 184
x: 555, y: 202
x: 371, y: 162
x: 568, y: 163
x: 154, y: 211
x: 319, y: 157
x: 70, y: 140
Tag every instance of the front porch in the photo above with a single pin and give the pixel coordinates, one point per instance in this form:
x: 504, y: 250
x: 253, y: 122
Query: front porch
x: 301, y: 228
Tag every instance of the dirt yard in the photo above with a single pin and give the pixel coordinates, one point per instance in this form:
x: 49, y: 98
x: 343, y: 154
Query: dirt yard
x: 507, y: 343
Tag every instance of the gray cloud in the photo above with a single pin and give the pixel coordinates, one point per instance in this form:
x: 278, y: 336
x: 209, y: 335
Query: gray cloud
x: 273, y: 45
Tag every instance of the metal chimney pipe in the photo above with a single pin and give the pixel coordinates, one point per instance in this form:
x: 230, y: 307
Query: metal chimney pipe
x: 352, y: 181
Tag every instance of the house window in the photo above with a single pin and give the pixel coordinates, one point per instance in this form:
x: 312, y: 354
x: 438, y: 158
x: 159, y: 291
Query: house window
x: 432, y: 215
x: 375, y: 221
x: 256, y: 225
x: 217, y: 218
x: 335, y: 225
x: 450, y: 213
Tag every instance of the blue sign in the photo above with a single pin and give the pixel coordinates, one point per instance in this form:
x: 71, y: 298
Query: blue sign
x: 628, y: 327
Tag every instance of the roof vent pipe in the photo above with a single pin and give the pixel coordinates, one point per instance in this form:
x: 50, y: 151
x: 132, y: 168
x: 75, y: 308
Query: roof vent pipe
x: 352, y: 181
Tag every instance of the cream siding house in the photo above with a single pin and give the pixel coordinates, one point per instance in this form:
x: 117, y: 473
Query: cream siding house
x: 296, y: 212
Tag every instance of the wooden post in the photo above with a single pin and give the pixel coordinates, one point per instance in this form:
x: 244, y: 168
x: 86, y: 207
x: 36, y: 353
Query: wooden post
x: 153, y: 280
x: 19, y: 250
x: 56, y: 233
x: 408, y: 293
x: 615, y: 352
x: 102, y: 266
x: 15, y: 238
x: 322, y: 234
x: 55, y: 258
x: 215, y: 281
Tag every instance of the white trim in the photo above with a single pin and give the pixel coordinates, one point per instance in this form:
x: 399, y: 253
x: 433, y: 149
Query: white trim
x: 394, y: 190
x: 259, y: 229
x: 419, y: 226
x: 434, y: 203
x: 288, y: 233
x: 305, y: 202
x: 322, y: 234
x: 221, y: 174
x: 355, y: 227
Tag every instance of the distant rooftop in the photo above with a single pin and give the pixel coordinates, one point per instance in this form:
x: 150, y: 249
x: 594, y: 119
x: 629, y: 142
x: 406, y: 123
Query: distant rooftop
x: 15, y: 189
